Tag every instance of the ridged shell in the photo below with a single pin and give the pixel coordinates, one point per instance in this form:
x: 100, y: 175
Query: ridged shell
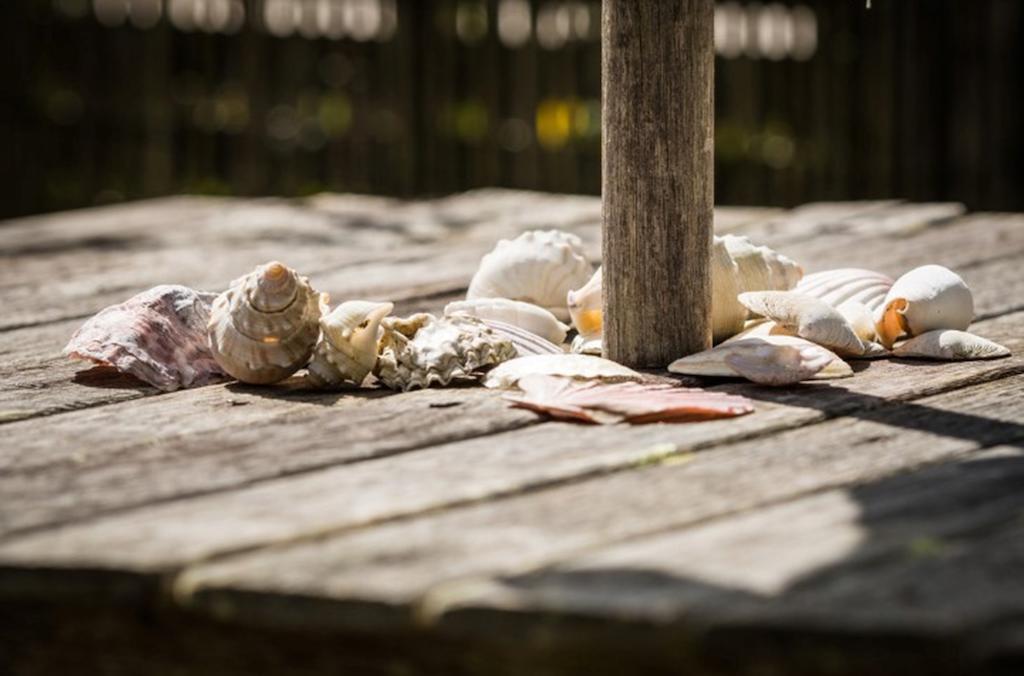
x: 580, y: 366
x: 525, y: 342
x: 952, y: 345
x: 158, y: 336
x: 347, y: 350
x: 839, y: 286
x: 265, y: 326
x: 585, y: 308
x: 422, y: 350
x: 527, y: 316
x: 807, y: 317
x: 774, y: 359
x: 538, y: 266
x: 925, y: 299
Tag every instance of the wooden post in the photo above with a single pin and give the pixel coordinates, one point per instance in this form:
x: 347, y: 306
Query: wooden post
x: 657, y: 185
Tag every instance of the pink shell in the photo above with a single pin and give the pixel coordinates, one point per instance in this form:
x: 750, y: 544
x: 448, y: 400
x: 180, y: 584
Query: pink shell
x: 158, y: 336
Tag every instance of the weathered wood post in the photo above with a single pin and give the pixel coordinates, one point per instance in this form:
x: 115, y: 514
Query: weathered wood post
x: 657, y: 186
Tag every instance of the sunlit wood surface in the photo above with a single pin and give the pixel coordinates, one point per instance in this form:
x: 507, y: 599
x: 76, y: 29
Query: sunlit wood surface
x: 874, y: 525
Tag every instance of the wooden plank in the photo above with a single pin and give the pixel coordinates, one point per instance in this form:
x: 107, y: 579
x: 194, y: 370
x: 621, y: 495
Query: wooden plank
x: 462, y: 472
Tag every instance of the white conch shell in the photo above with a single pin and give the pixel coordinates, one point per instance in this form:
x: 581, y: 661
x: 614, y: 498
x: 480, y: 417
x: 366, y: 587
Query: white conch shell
x: 538, y: 266
x: 951, y: 345
x: 527, y: 316
x: 580, y: 366
x: 264, y: 327
x: 839, y: 286
x: 737, y: 265
x: 926, y: 298
x: 525, y: 342
x: 768, y: 359
x: 347, y: 350
x: 810, y: 318
x: 585, y: 308
x: 422, y: 350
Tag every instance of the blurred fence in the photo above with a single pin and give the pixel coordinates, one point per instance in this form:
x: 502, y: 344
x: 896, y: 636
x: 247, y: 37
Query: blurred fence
x: 104, y: 100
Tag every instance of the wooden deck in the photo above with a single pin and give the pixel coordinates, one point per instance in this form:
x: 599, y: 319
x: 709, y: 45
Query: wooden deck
x: 870, y: 526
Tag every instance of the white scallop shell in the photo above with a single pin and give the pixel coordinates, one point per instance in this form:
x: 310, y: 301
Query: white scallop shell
x: 585, y: 308
x: 836, y: 287
x: 538, y: 266
x: 925, y: 299
x: 580, y: 366
x: 422, y: 350
x: 264, y: 327
x: 347, y: 350
x: 527, y: 316
x: 525, y: 342
x: 768, y: 359
x: 858, y: 316
x: 809, y: 318
x: 949, y: 344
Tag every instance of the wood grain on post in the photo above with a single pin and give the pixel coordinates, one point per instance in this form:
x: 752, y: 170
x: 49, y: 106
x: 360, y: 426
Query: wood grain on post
x: 657, y: 185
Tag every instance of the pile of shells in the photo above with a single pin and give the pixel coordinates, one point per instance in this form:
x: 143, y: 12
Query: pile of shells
x: 771, y: 325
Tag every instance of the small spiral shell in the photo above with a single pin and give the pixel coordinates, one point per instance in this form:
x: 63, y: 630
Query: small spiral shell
x: 347, y: 350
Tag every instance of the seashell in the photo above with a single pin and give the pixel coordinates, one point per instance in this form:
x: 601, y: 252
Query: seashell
x: 581, y: 345
x: 951, y: 345
x: 525, y: 342
x: 585, y: 308
x: 737, y: 265
x: 774, y: 359
x: 580, y: 366
x: 926, y: 298
x: 527, y: 316
x: 265, y: 326
x: 347, y: 350
x: 858, y: 316
x: 422, y: 350
x: 158, y: 336
x: 538, y: 266
x: 810, y: 318
x: 836, y: 287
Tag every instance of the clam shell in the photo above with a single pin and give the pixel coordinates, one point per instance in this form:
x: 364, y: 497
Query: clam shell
x: 580, y: 366
x: 423, y: 350
x: 810, y: 318
x: 525, y: 342
x: 776, y: 359
x: 347, y: 350
x: 952, y: 345
x: 585, y: 308
x: 265, y: 326
x: 925, y: 299
x: 538, y: 266
x: 158, y: 336
x: 839, y: 286
x: 526, y: 316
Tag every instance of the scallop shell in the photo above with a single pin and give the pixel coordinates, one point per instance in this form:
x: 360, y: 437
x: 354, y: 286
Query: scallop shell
x: 422, y: 350
x: 809, y: 318
x: 525, y: 342
x: 774, y: 359
x: 527, y: 316
x: 949, y: 344
x: 265, y: 326
x: 580, y: 366
x: 925, y: 299
x: 347, y: 350
x: 538, y: 266
x: 581, y: 345
x: 585, y: 308
x: 858, y: 316
x: 158, y: 336
x: 836, y: 287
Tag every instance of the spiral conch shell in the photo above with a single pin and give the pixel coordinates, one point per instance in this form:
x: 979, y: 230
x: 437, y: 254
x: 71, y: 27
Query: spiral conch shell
x: 925, y: 299
x: 526, y: 316
x: 264, y: 327
x: 347, y: 350
x: 422, y: 350
x: 538, y: 266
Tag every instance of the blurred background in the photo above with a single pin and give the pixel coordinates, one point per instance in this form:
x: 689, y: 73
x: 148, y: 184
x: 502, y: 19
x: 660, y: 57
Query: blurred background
x: 111, y: 100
